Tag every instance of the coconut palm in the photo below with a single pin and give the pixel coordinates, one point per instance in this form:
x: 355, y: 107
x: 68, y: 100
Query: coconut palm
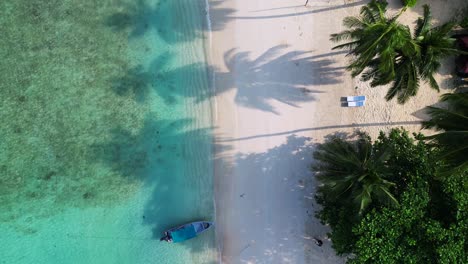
x: 453, y: 121
x: 385, y: 52
x: 376, y: 42
x: 434, y: 44
x: 354, y: 172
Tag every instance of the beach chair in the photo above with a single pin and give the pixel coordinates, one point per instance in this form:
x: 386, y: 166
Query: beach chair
x: 355, y: 104
x: 355, y: 98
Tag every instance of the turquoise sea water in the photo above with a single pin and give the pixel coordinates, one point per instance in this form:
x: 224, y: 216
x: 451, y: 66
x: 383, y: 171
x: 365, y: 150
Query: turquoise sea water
x: 106, y: 138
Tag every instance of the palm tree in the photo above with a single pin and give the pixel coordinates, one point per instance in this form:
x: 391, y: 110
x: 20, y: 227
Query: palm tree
x: 354, y: 172
x: 376, y: 41
x: 385, y: 52
x: 453, y: 121
x: 434, y: 44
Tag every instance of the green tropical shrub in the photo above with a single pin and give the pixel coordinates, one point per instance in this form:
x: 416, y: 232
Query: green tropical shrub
x: 429, y: 226
x: 429, y: 222
x: 353, y: 177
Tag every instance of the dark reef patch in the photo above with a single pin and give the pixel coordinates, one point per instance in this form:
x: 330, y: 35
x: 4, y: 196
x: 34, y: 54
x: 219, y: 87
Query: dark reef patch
x: 56, y: 103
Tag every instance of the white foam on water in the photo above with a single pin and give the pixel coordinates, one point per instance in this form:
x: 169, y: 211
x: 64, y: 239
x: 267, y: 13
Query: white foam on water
x: 214, y: 103
x: 210, y: 59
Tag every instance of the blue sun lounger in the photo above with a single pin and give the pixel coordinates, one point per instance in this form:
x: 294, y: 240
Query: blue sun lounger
x: 355, y: 98
x: 355, y: 104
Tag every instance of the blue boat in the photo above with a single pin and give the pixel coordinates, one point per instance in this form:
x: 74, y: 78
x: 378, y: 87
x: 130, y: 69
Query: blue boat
x: 186, y: 232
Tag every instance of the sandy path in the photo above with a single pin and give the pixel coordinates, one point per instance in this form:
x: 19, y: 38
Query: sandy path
x: 278, y: 88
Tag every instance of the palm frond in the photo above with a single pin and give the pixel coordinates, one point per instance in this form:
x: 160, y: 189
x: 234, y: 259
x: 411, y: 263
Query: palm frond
x: 344, y: 35
x: 388, y: 195
x: 372, y: 71
x: 354, y: 22
x: 433, y: 83
x: 364, y: 199
x: 350, y: 46
x: 387, y: 65
x: 353, y: 171
x: 406, y: 82
x: 445, y: 119
x: 423, y: 24
x: 452, y: 119
x: 373, y: 12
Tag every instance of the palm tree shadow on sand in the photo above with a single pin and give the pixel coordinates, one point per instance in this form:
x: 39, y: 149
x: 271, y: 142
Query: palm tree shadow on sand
x: 279, y: 177
x: 258, y: 82
x: 172, y: 20
x: 261, y: 80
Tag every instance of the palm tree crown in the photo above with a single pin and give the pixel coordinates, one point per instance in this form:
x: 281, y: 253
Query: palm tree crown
x: 453, y: 120
x: 354, y: 172
x: 385, y: 51
x: 433, y: 44
x: 373, y: 35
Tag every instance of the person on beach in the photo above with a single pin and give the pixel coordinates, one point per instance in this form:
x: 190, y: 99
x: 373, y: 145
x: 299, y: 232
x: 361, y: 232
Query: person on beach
x: 318, y: 242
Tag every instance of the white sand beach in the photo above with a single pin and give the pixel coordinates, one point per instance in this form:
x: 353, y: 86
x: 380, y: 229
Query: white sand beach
x: 278, y: 86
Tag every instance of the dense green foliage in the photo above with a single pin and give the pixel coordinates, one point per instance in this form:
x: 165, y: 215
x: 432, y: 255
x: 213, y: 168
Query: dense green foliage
x: 463, y: 17
x: 386, y: 201
x: 352, y: 177
x: 385, y: 51
x: 428, y: 225
x: 409, y: 3
x: 464, y: 22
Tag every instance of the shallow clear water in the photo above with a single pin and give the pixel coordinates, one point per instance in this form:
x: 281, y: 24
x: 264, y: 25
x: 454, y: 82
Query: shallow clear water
x: 106, y: 138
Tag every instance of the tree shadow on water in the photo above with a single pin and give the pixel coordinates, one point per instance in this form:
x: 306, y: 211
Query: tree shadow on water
x: 154, y: 150
x: 173, y: 160
x: 277, y: 75
x: 135, y: 81
x: 172, y: 20
x: 169, y: 83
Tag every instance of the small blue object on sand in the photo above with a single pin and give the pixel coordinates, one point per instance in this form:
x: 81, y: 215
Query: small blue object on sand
x: 355, y: 98
x: 353, y: 101
x: 355, y: 104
